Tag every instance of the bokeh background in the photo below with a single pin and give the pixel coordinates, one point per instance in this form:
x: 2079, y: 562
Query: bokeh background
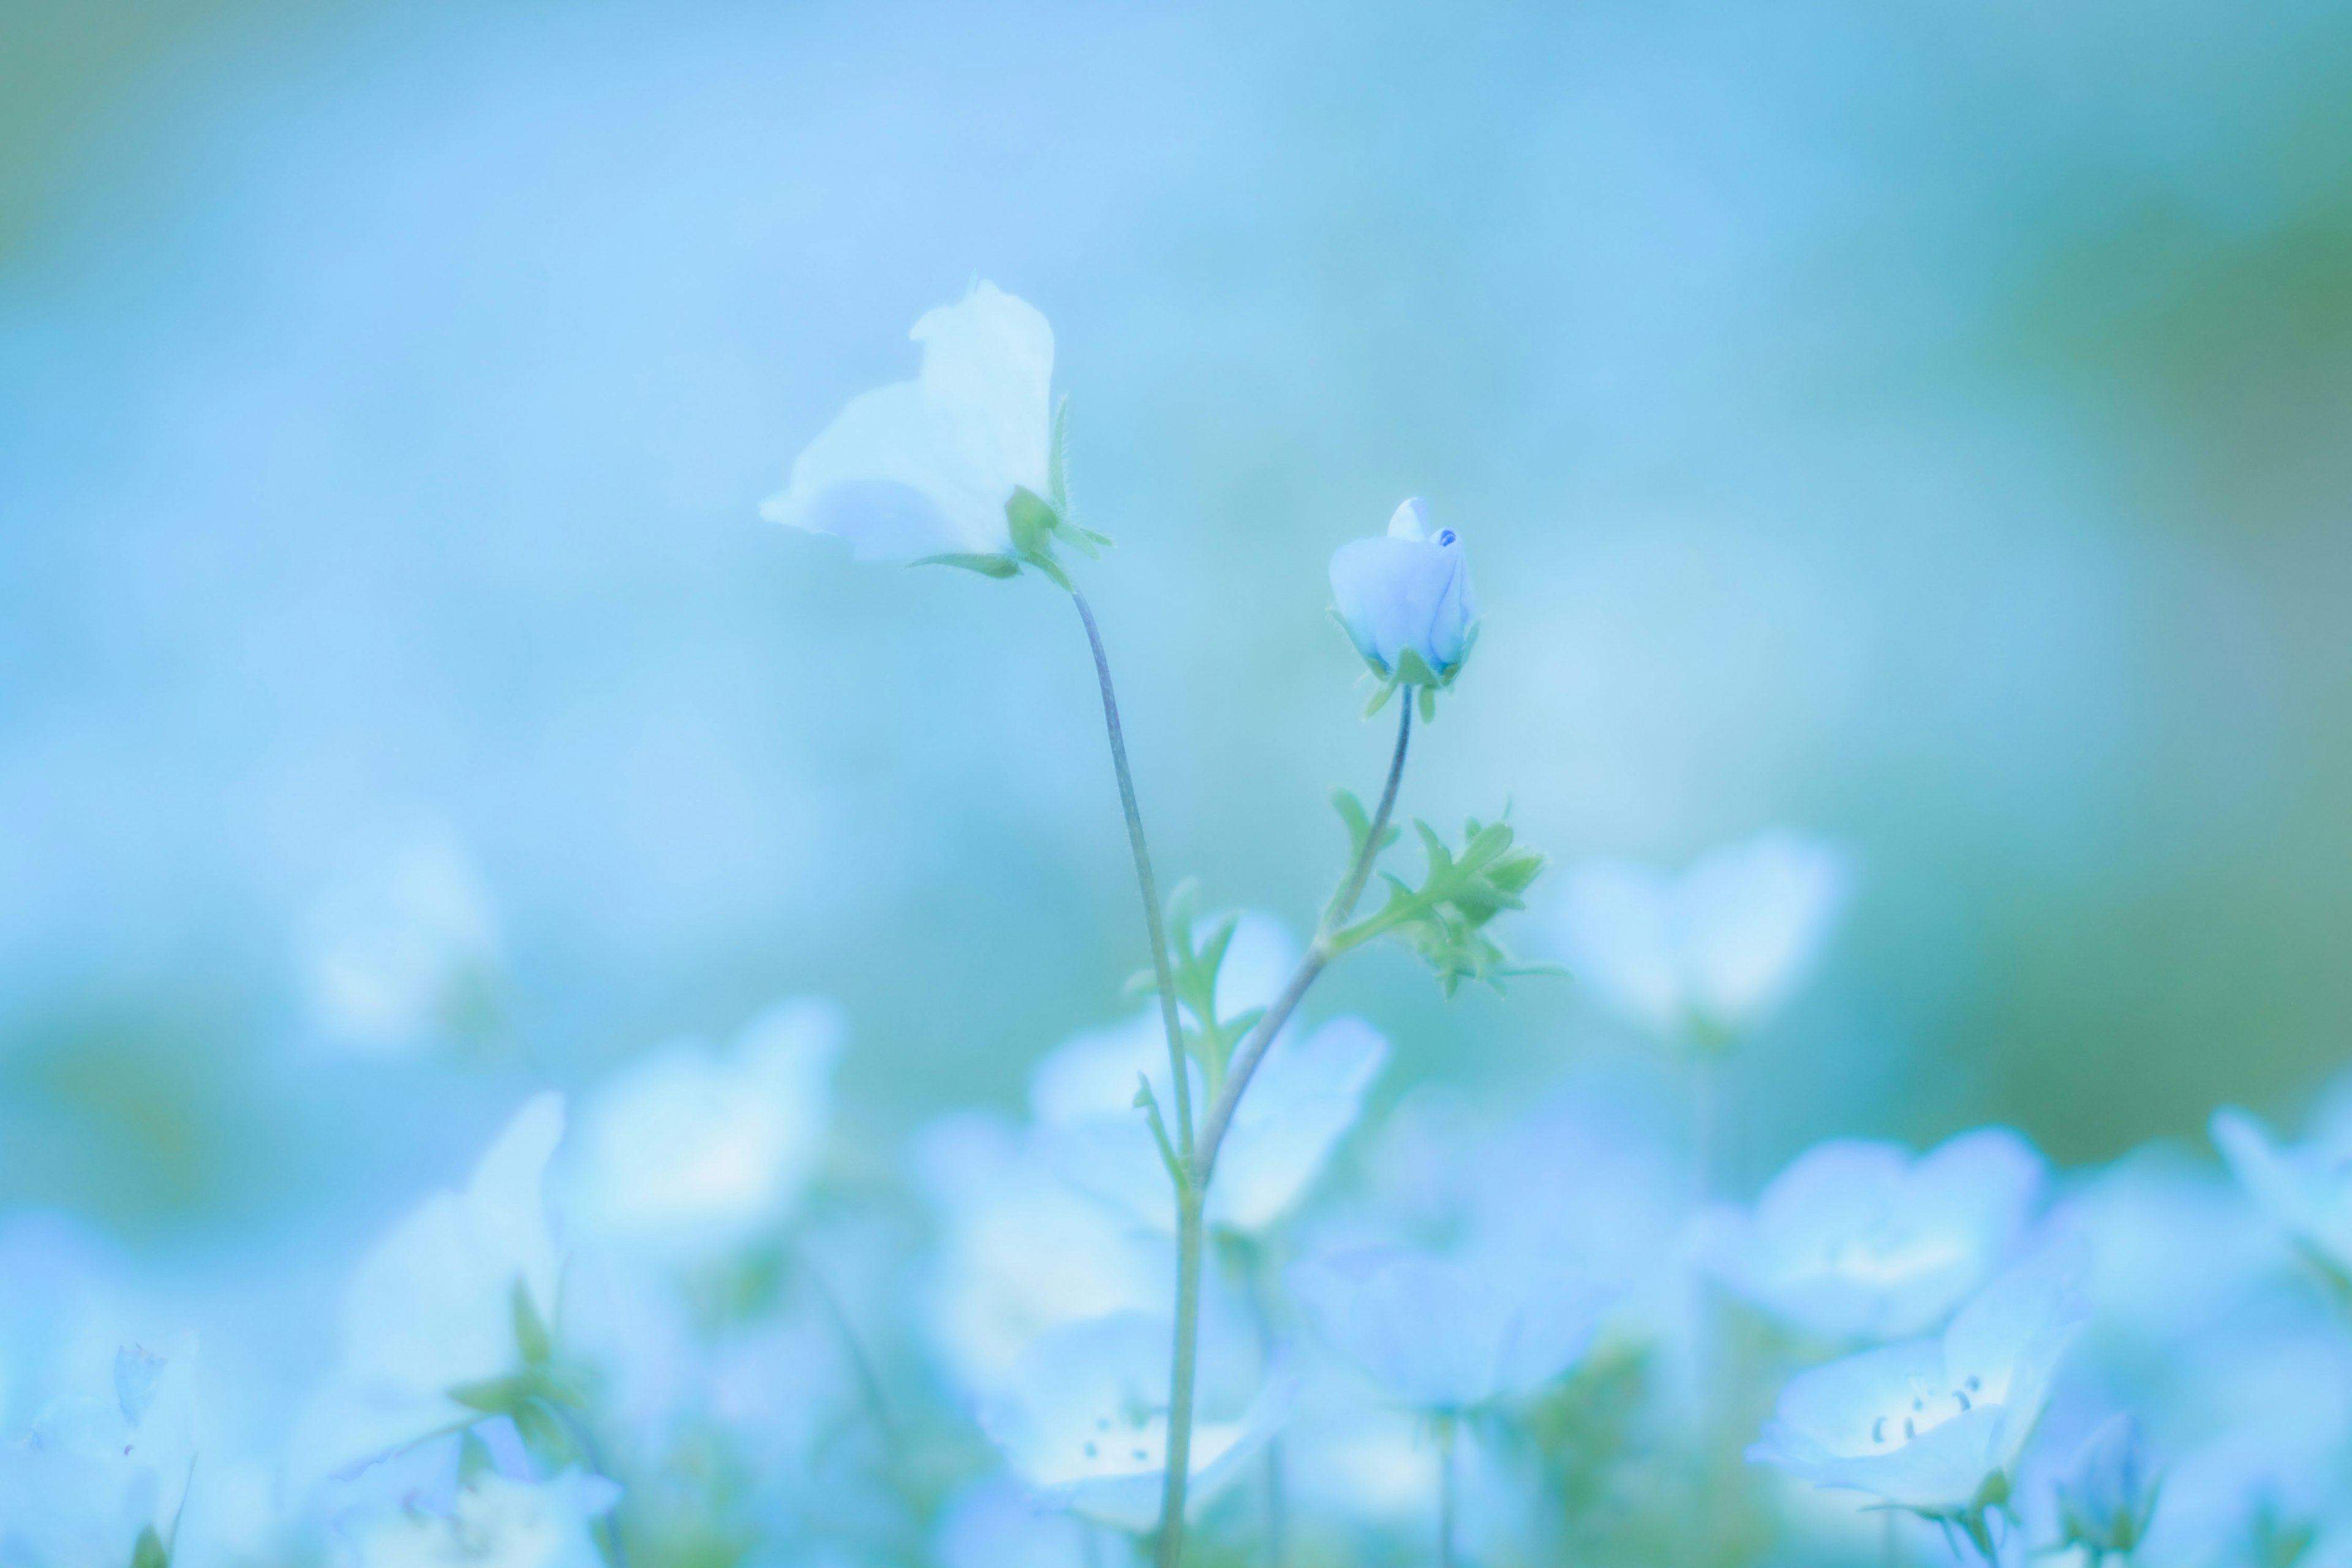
x: 1925, y: 426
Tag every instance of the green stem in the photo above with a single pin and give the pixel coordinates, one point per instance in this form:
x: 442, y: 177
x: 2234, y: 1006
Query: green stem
x: 1189, y: 1184
x: 1327, y: 944
x: 1180, y: 1087
x: 1446, y: 1498
x: 1179, y: 1393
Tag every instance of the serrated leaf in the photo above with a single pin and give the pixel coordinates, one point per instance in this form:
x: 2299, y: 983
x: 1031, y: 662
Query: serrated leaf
x: 998, y: 566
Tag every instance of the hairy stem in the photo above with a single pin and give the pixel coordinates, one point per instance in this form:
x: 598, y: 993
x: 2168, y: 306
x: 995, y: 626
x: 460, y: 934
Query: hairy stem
x: 1320, y: 952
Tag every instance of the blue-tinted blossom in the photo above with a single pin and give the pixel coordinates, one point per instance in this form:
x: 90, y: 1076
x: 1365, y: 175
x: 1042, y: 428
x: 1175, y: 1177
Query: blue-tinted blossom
x: 1935, y: 1425
x: 2306, y: 1189
x: 1405, y: 599
x: 96, y: 1473
x: 1082, y: 1422
x: 1861, y: 1240
x: 497, y: 1523
x: 688, y: 1151
x: 1450, y: 1333
x: 2107, y: 1496
x: 434, y: 1306
x: 926, y: 467
x: 1710, y: 952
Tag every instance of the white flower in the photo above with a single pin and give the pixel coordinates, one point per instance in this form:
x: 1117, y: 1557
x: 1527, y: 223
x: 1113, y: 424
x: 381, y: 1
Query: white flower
x: 1859, y: 1240
x: 1443, y: 1334
x: 1935, y: 1425
x: 1084, y: 1422
x: 1713, y: 951
x: 436, y: 1306
x: 498, y: 1523
x: 926, y: 467
x: 2306, y: 1190
x: 406, y: 953
x: 96, y: 1474
x: 1304, y: 1098
x: 687, y: 1153
x: 1021, y: 1250
x: 1405, y: 599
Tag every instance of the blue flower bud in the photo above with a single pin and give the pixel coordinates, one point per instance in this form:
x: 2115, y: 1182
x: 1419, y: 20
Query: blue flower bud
x: 1405, y: 599
x: 2105, y: 1502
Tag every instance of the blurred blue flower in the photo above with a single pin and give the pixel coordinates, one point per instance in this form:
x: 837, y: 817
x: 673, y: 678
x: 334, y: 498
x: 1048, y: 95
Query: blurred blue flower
x: 1860, y: 1240
x: 2306, y: 1189
x: 687, y: 1153
x: 95, y: 1474
x: 926, y: 467
x: 1082, y: 1422
x: 1444, y: 1335
x: 1405, y: 599
x: 998, y: 1522
x: 405, y: 954
x: 434, y: 1306
x: 1306, y: 1096
x: 1021, y: 1251
x: 1935, y: 1425
x: 2108, y: 1494
x: 1707, y: 955
x: 497, y: 1522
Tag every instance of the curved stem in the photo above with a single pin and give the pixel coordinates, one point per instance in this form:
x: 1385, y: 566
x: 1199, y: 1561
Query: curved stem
x: 1320, y: 952
x: 1189, y: 1181
x: 1161, y: 971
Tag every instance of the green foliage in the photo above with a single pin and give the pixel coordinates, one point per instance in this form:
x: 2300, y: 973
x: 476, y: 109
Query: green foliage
x: 1194, y: 966
x: 1445, y: 918
x: 986, y: 565
x: 150, y: 1552
x: 1359, y: 823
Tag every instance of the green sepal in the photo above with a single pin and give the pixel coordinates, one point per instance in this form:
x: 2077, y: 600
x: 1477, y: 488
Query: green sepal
x: 508, y: 1395
x: 531, y: 1338
x: 1428, y: 704
x: 1381, y: 696
x: 998, y: 566
x: 149, y: 1552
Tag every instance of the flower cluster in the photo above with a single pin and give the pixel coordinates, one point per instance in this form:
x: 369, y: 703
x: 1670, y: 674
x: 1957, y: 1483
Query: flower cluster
x: 1230, y: 1281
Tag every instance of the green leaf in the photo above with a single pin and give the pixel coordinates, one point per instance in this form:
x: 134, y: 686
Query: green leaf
x: 531, y: 1337
x: 998, y: 566
x: 1444, y: 918
x: 149, y: 1552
